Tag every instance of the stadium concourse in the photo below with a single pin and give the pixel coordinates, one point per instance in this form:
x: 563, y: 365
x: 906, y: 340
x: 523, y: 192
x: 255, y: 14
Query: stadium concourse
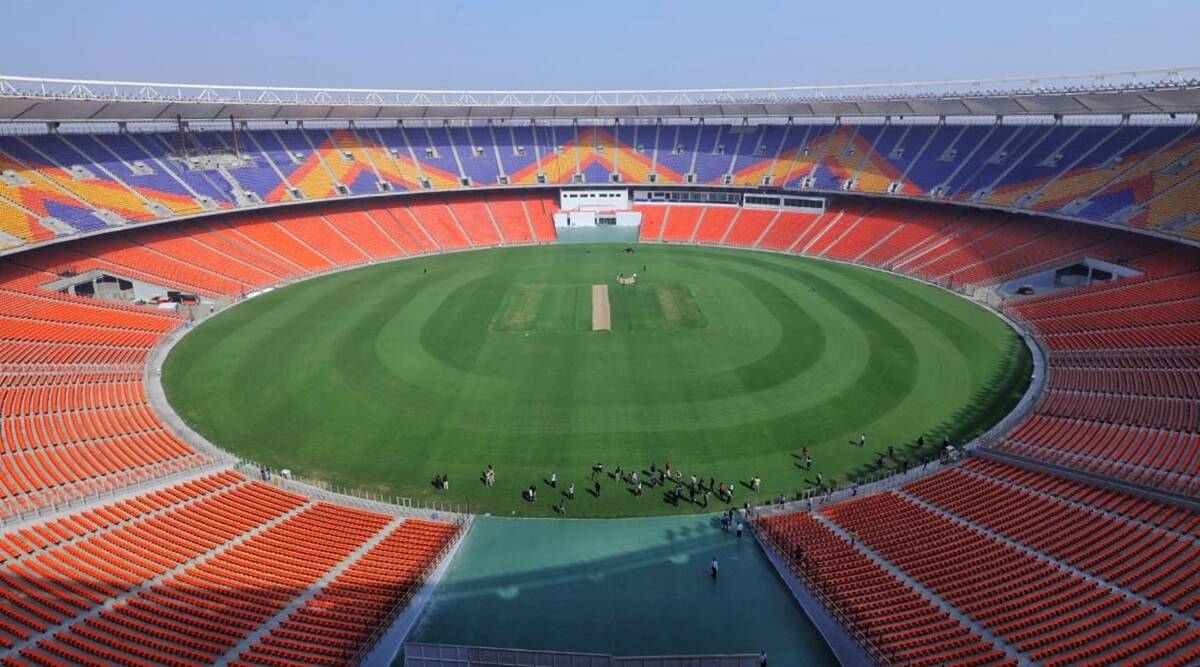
x: 1073, y: 538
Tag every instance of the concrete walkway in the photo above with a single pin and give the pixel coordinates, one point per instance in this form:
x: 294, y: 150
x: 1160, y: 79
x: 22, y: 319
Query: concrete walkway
x: 141, y: 517
x: 117, y: 495
x: 1178, y: 534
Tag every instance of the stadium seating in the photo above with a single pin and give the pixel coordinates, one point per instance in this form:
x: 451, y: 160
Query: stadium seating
x: 440, y: 224
x: 332, y: 626
x: 897, y: 623
x: 476, y: 220
x: 318, y: 236
x: 541, y: 209
x: 183, y: 574
x: 74, y: 423
x: 1025, y: 581
x: 715, y: 223
x: 1147, y: 561
x: 751, y: 225
x: 221, y: 566
x: 511, y: 216
x: 1141, y: 176
x: 679, y: 223
x: 361, y: 229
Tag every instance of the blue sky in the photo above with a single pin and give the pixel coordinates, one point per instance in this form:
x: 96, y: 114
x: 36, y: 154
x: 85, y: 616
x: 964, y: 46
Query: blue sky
x: 603, y: 44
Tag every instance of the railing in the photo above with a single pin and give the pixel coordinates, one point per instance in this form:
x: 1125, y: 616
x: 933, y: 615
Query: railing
x: 848, y: 621
x: 378, y: 502
x: 811, y: 498
x: 381, y: 629
x: 448, y: 655
x: 1152, y: 478
x: 215, y: 94
x: 47, y: 502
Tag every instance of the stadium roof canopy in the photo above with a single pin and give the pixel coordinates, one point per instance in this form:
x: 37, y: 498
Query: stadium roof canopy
x: 1134, y: 92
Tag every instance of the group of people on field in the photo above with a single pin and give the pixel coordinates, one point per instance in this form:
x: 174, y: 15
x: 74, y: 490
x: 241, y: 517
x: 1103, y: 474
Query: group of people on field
x: 693, y: 488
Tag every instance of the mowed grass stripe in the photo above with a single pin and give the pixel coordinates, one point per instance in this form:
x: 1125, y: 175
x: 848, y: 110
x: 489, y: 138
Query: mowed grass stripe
x: 723, y: 362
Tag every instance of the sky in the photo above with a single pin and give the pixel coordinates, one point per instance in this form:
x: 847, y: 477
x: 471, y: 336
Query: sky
x: 606, y: 44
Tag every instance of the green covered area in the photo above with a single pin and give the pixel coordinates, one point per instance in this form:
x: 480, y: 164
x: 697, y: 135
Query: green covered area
x: 724, y: 363
x: 618, y: 587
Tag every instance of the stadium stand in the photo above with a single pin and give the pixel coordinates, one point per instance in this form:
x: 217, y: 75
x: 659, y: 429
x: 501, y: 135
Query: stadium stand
x: 1052, y: 614
x: 1141, y: 176
x: 361, y: 229
x: 898, y: 624
x: 1042, y: 562
x: 184, y: 574
x: 715, y: 222
x: 332, y: 626
x: 437, y: 220
x: 219, y: 566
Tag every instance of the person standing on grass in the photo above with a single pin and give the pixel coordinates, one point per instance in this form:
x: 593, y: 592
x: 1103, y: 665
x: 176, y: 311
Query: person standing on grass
x: 554, y: 480
x: 862, y: 440
x: 820, y: 480
x: 597, y: 488
x: 714, y: 567
x: 571, y: 491
x: 808, y: 463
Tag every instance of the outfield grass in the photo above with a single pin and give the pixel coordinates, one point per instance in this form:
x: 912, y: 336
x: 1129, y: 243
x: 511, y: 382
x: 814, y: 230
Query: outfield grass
x: 724, y: 363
